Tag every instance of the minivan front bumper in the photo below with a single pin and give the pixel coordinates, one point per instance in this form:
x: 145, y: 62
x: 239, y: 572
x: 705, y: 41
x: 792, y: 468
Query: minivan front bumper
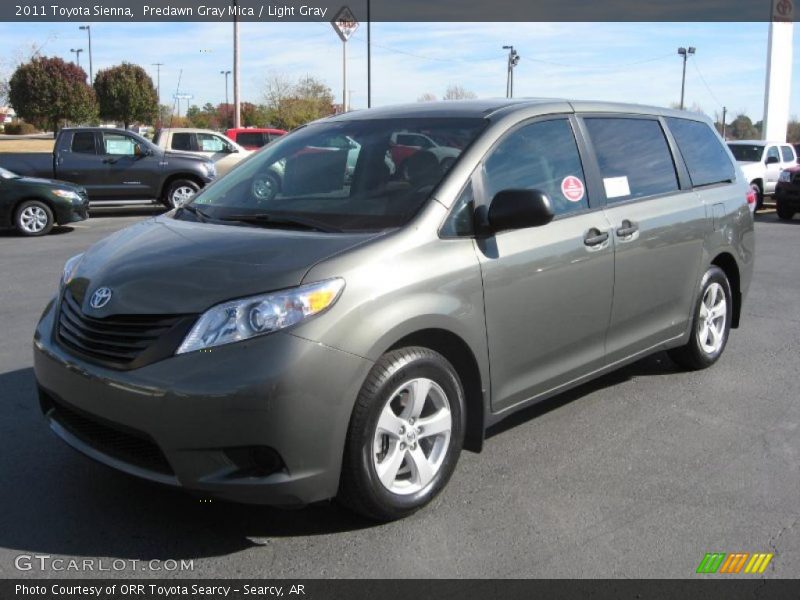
x: 261, y: 421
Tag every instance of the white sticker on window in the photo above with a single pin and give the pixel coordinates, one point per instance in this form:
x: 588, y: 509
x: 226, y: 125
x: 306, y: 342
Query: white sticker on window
x: 616, y: 187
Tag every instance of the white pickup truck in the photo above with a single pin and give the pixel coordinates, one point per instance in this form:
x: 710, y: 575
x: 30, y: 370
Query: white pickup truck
x: 762, y: 163
x: 225, y: 153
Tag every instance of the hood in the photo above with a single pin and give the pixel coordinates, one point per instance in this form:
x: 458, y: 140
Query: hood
x: 165, y: 266
x: 48, y: 182
x: 751, y: 169
x: 187, y: 156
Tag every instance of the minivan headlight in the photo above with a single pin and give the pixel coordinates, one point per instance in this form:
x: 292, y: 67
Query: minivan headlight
x: 259, y: 315
x: 69, y: 269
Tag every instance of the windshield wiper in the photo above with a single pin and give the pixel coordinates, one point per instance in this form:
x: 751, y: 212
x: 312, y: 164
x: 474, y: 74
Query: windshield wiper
x: 201, y: 216
x: 268, y: 220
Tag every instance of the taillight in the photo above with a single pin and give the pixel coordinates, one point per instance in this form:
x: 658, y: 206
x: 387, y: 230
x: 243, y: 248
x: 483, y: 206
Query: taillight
x: 752, y: 198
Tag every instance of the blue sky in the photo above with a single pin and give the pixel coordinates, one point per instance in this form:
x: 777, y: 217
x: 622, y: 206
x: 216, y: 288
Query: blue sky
x: 632, y: 62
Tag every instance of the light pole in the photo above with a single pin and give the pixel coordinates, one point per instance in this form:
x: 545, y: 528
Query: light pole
x: 237, y: 107
x: 88, y: 30
x: 724, y: 117
x: 684, y: 52
x: 77, y: 53
x: 513, y: 61
x: 158, y: 87
x: 227, y: 106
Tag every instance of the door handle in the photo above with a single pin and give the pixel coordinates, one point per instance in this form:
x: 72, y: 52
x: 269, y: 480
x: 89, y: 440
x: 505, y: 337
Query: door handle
x: 628, y: 228
x: 595, y: 237
x: 110, y: 161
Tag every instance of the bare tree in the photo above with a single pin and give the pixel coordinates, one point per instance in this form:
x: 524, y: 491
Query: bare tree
x: 427, y: 97
x: 457, y: 92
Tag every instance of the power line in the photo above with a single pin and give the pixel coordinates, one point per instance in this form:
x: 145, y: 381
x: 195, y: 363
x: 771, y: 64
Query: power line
x: 697, y: 68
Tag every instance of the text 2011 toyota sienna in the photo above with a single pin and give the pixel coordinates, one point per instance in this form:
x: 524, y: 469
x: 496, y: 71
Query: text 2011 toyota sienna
x: 343, y: 330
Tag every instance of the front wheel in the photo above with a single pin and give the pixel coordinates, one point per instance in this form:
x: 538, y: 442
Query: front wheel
x: 180, y: 192
x: 405, y: 435
x: 711, y: 323
x: 33, y: 218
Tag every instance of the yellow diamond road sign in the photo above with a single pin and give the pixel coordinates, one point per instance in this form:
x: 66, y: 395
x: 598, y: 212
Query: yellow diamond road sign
x: 345, y: 23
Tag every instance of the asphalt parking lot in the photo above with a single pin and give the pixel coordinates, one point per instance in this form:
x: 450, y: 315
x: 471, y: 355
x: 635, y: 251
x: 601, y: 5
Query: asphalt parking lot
x: 637, y: 474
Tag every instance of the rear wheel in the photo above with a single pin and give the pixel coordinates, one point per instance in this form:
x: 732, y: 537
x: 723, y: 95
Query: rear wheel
x: 405, y: 435
x: 784, y: 212
x: 179, y: 192
x: 711, y: 323
x: 33, y: 218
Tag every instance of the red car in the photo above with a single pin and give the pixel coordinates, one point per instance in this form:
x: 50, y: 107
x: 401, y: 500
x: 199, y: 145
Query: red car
x: 254, y: 138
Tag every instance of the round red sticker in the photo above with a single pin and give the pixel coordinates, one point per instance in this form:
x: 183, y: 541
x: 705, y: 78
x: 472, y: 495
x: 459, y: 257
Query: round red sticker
x: 572, y: 188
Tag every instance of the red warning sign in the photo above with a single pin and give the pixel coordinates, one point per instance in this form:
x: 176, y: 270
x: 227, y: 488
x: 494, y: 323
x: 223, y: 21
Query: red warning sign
x: 572, y: 188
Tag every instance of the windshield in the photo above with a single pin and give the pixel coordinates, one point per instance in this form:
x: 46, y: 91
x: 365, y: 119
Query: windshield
x: 6, y: 174
x: 358, y: 175
x: 747, y: 152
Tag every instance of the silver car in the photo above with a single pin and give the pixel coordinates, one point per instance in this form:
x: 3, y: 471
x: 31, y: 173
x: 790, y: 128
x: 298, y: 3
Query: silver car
x: 348, y: 335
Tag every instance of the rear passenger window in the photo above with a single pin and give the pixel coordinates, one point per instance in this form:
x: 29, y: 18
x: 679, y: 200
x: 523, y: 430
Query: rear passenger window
x: 703, y: 152
x: 788, y: 155
x: 83, y: 142
x: 181, y: 141
x: 541, y: 156
x: 634, y: 158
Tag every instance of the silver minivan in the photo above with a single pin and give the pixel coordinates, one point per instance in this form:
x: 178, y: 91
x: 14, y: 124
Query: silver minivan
x: 346, y: 336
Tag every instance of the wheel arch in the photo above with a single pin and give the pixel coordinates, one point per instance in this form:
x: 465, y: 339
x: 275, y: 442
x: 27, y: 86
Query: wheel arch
x: 172, y: 178
x: 461, y: 356
x: 726, y: 262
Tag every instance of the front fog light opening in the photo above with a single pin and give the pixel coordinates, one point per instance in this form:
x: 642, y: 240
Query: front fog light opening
x: 254, y: 461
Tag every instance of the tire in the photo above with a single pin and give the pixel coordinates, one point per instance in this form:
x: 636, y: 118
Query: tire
x: 708, y: 336
x: 784, y: 213
x: 756, y: 187
x: 265, y: 187
x: 415, y: 464
x: 179, y: 192
x: 33, y: 218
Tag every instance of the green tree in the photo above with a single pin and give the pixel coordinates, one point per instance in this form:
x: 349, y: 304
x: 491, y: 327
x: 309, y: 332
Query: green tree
x: 742, y: 128
x: 126, y: 93
x: 290, y: 104
x: 46, y: 91
x: 793, y: 132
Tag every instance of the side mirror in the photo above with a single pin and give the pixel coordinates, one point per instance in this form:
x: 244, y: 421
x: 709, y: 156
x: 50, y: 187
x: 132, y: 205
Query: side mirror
x: 517, y: 209
x: 772, y: 160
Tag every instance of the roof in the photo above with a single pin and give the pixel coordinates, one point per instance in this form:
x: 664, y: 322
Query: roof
x: 757, y: 142
x: 486, y: 107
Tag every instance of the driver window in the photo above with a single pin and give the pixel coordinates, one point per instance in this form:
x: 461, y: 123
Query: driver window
x: 210, y: 143
x: 541, y: 156
x: 118, y: 145
x: 773, y: 153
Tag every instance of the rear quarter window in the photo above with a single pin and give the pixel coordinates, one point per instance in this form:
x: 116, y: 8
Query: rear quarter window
x: 702, y: 151
x: 787, y: 154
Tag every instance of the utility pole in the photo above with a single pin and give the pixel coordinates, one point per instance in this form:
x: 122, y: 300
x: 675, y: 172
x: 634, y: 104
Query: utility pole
x: 88, y: 29
x: 369, y: 56
x: 685, y: 53
x: 77, y: 54
x: 158, y: 85
x: 513, y: 61
x: 227, y: 106
x: 724, y: 114
x: 237, y: 104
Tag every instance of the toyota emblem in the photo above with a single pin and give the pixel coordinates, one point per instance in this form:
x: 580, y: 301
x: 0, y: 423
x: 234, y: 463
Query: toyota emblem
x: 100, y: 297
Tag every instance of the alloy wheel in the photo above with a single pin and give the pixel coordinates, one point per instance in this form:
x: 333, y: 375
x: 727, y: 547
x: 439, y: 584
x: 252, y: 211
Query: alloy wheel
x: 711, y: 323
x: 33, y: 219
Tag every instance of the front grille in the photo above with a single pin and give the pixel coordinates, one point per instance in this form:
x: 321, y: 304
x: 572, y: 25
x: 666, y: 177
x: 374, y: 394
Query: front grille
x: 129, y: 446
x: 121, y: 340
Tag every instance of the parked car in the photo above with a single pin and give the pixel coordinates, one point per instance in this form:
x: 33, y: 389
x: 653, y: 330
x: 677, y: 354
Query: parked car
x: 209, y: 144
x: 117, y: 166
x: 787, y: 193
x: 762, y: 163
x: 253, y: 138
x: 347, y: 338
x: 33, y: 205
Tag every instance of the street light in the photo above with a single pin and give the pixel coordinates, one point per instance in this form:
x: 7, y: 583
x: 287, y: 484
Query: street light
x: 77, y: 54
x: 513, y: 61
x: 684, y: 52
x: 227, y: 106
x: 88, y: 30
